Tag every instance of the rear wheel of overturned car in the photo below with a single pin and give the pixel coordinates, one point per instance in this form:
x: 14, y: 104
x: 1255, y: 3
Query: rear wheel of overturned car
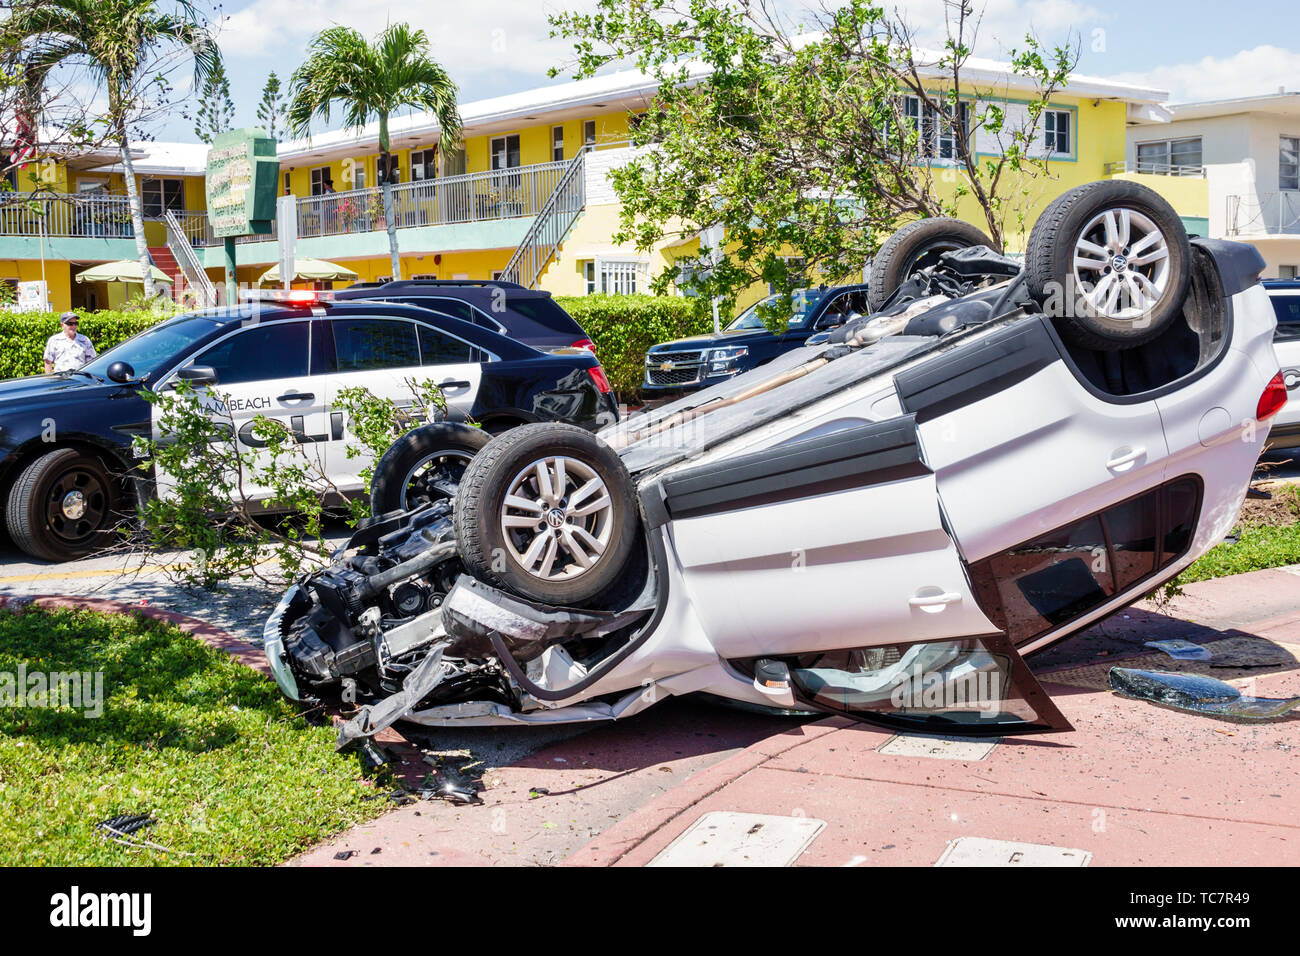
x: 917, y: 245
x: 63, y: 505
x: 549, y: 512
x: 424, y: 465
x: 1110, y: 263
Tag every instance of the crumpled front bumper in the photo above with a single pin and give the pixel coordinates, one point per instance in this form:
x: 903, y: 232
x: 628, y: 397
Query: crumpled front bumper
x: 273, y: 641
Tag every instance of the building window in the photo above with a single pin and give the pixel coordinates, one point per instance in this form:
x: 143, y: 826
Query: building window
x: 937, y: 135
x: 557, y: 144
x: 453, y: 161
x: 589, y: 133
x: 1056, y: 131
x: 162, y: 195
x: 1173, y: 157
x: 505, y: 151
x: 358, y: 175
x: 287, y: 190
x: 321, y: 182
x: 1288, y: 164
x: 1286, y: 272
x: 424, y: 164
x: 793, y: 264
x: 616, y: 276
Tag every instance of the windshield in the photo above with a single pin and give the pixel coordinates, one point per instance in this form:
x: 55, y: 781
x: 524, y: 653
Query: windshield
x: 147, y: 351
x: 802, y: 302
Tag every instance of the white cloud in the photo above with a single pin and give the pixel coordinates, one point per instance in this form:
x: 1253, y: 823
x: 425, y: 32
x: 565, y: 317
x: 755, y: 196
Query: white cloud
x: 1248, y: 73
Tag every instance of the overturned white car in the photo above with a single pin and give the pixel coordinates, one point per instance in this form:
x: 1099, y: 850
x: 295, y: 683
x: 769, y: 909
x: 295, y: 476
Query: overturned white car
x: 880, y: 525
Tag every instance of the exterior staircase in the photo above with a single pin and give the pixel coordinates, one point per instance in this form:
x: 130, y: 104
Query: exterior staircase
x: 182, y: 259
x: 163, y: 259
x: 552, y: 224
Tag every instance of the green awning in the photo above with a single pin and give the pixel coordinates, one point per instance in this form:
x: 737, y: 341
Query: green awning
x: 311, y: 269
x: 124, y: 270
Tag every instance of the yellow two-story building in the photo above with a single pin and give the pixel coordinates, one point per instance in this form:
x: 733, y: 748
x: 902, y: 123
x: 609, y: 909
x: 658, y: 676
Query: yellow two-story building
x: 525, y: 197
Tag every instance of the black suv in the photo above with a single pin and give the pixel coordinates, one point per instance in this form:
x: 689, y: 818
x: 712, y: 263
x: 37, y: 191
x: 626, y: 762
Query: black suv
x: 530, y: 316
x: 684, y: 365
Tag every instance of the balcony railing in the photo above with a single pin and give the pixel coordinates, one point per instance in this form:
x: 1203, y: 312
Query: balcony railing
x: 473, y: 197
x: 86, y: 215
x: 1263, y: 214
x: 1154, y: 169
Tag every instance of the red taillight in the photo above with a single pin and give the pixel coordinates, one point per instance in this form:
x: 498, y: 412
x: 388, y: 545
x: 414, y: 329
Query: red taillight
x: 587, y: 344
x: 598, y: 376
x: 1274, y: 397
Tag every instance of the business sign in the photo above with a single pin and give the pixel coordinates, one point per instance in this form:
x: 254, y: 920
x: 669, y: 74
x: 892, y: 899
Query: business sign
x: 33, y: 297
x: 241, y: 183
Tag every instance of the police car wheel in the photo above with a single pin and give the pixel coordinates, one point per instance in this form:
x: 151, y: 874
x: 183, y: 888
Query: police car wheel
x: 423, y: 466
x: 62, y: 506
x: 549, y: 512
x: 1110, y: 263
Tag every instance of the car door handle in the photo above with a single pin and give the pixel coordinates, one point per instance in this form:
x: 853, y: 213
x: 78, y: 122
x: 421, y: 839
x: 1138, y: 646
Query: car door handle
x: 450, y: 384
x: 297, y: 397
x: 934, y: 600
x: 1124, y: 456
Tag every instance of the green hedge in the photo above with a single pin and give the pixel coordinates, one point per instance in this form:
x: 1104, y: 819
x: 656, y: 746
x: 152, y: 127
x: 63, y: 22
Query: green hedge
x: 625, y: 326
x: 622, y: 326
x: 23, y: 335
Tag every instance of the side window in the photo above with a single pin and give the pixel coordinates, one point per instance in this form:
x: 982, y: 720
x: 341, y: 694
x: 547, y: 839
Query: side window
x: 1287, y: 308
x: 267, y: 351
x: 365, y: 344
x: 1058, y: 577
x: 438, y: 348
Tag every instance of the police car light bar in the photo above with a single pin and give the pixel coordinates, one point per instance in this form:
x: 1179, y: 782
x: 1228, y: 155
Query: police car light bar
x: 287, y: 296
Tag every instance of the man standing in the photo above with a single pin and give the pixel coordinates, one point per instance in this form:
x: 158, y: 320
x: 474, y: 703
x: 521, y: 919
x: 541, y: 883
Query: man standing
x: 67, y: 350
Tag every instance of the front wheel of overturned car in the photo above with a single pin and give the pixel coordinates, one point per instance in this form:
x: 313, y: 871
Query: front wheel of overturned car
x: 424, y: 465
x: 1109, y: 262
x: 62, y: 506
x: 917, y: 245
x: 549, y: 512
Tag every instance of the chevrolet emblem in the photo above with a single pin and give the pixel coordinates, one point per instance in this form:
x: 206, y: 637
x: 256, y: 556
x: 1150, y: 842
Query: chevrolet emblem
x: 666, y: 367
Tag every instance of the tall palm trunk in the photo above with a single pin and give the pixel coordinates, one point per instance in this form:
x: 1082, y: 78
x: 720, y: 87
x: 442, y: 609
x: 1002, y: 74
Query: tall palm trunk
x: 386, y: 188
x: 137, y: 216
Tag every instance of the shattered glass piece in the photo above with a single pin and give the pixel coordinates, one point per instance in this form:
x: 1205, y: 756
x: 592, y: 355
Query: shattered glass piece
x: 1181, y: 650
x: 1197, y: 694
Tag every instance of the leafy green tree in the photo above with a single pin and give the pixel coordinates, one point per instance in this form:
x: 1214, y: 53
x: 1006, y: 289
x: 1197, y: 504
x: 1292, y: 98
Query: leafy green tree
x: 216, y: 111
x: 123, y: 43
x: 370, y: 81
x: 270, y: 109
x: 818, y: 142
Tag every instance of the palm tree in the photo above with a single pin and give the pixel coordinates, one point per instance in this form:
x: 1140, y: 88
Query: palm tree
x: 372, y: 80
x: 117, y: 40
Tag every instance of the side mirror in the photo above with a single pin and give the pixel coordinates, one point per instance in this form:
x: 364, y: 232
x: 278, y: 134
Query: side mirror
x: 121, y: 372
x: 829, y: 320
x: 196, y: 375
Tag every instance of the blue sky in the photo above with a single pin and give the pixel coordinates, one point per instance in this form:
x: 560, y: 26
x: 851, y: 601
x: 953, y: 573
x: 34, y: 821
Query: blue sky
x: 1194, y: 49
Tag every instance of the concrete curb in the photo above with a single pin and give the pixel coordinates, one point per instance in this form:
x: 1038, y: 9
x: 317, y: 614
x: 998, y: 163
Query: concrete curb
x: 247, y: 654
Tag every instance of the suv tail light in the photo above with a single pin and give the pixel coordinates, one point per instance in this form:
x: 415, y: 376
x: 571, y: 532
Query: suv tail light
x: 598, y: 376
x: 1274, y: 397
x: 587, y: 344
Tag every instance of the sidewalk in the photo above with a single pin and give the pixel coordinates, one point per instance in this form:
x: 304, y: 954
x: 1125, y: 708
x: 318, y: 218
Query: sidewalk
x: 1134, y: 785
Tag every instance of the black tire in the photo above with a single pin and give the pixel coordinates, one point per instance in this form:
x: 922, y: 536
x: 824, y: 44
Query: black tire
x: 424, y: 465
x: 917, y: 246
x: 1078, y: 303
x: 496, y: 554
x: 45, y: 517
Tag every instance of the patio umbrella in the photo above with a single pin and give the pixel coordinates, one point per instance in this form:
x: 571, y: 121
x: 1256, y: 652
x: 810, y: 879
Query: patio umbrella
x: 311, y: 269
x: 124, y: 270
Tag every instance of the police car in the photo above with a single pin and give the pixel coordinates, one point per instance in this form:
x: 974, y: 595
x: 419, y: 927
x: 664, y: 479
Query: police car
x: 65, y: 439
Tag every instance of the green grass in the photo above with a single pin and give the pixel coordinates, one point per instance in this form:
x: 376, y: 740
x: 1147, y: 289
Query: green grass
x: 207, y: 746
x: 1258, y: 547
x: 1259, y: 544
